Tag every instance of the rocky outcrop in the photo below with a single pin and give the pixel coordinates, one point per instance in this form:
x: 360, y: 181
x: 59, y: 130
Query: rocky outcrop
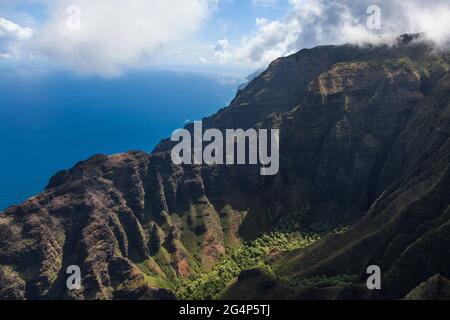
x: 436, y: 288
x: 364, y: 137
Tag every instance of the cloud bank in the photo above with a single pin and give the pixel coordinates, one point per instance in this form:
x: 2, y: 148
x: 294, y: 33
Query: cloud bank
x: 107, y: 37
x: 314, y: 22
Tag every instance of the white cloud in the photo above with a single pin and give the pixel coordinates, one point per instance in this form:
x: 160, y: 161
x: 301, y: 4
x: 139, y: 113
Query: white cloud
x: 115, y: 35
x: 221, y: 45
x: 221, y: 53
x: 261, y: 21
x: 273, y: 39
x: 314, y: 22
x: 4, y: 56
x: 433, y: 20
x: 11, y: 37
x: 9, y: 29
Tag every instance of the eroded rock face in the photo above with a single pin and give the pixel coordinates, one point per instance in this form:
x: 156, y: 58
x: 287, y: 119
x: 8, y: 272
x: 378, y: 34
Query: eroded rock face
x: 336, y: 141
x: 106, y: 215
x: 364, y: 133
x: 405, y: 229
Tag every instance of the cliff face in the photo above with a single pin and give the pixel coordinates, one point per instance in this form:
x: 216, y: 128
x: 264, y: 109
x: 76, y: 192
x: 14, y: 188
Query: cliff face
x: 405, y: 229
x: 364, y: 137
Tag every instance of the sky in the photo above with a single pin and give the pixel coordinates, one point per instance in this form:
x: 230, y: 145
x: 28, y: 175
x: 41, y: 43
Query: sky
x: 108, y: 38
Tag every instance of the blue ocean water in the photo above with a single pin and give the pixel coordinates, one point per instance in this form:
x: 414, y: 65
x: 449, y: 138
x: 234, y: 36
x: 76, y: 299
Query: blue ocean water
x: 51, y: 120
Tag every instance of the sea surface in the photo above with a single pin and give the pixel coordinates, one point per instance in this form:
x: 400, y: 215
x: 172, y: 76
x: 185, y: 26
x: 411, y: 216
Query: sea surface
x: 51, y: 120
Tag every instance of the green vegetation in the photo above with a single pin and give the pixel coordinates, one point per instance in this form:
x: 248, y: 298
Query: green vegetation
x: 248, y: 256
x: 425, y: 67
x: 322, y: 281
x: 260, y: 253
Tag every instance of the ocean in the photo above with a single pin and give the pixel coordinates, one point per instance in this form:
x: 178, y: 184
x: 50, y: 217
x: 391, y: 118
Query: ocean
x: 51, y: 120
